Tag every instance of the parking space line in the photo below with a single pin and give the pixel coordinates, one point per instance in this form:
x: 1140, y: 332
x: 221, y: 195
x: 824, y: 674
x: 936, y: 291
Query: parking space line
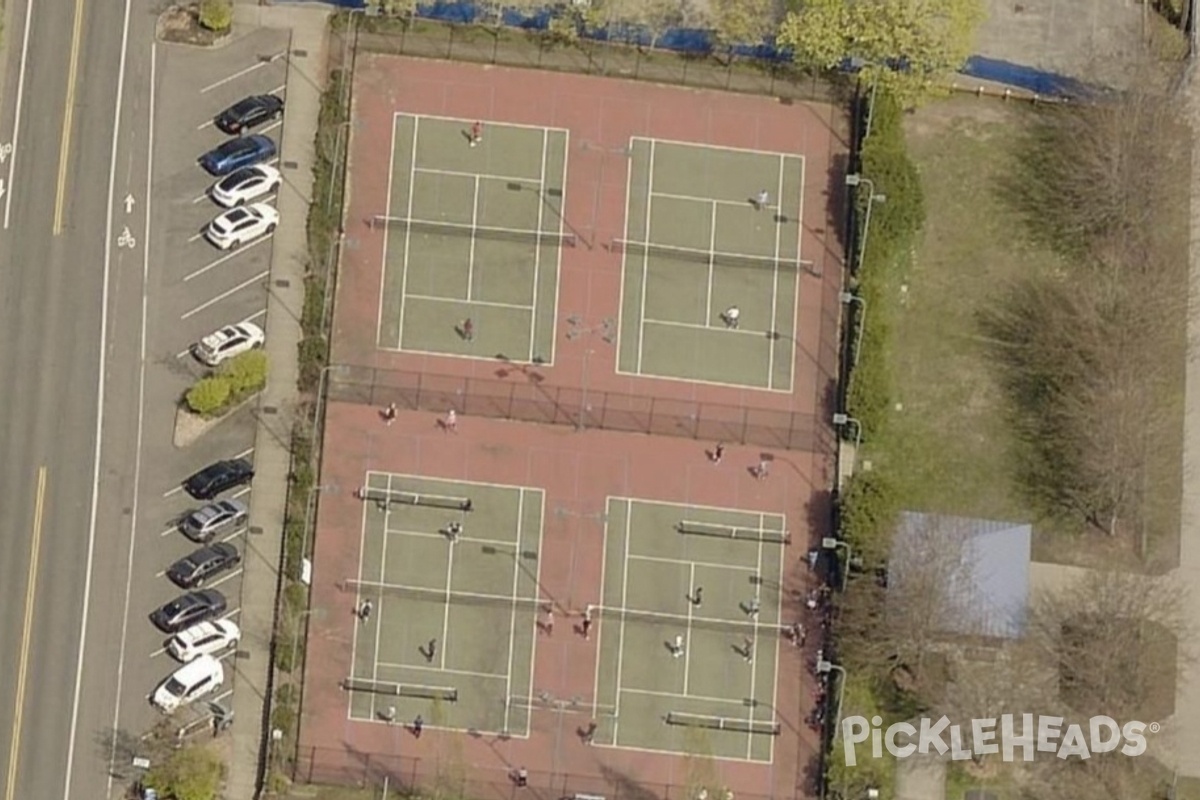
x: 280, y: 89
x: 169, y: 531
x: 221, y: 696
x: 204, y: 125
x: 262, y: 63
x: 196, y: 236
x: 176, y: 490
x: 200, y: 199
x: 160, y: 573
x: 235, y: 535
x: 225, y: 579
x: 160, y: 651
x: 209, y: 303
x: 231, y: 614
x: 225, y: 258
x: 277, y: 123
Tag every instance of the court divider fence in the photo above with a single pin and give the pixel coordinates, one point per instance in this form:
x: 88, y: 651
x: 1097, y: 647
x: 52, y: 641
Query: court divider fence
x: 528, y: 401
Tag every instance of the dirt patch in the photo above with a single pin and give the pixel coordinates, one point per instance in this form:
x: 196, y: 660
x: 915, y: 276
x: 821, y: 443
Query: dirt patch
x: 181, y: 25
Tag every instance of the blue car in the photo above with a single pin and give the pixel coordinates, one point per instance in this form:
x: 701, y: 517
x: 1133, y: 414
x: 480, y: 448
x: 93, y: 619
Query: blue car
x: 238, y: 153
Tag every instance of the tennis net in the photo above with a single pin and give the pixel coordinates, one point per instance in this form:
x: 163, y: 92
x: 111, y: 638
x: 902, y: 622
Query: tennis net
x: 694, y: 528
x: 746, y: 627
x: 476, y: 231
x: 699, y: 256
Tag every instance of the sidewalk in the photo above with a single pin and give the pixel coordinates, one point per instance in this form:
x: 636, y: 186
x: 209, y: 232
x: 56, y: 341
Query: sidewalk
x: 250, y: 734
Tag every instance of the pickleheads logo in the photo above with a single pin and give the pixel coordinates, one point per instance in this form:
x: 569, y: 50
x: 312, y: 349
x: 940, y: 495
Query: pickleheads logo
x: 1040, y: 734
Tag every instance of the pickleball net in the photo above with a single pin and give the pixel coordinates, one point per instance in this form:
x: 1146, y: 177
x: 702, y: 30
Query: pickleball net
x: 698, y: 256
x: 443, y: 228
x: 744, y: 627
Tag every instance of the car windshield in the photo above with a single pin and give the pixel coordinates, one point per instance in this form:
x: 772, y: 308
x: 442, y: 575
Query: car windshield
x: 175, y: 688
x: 238, y: 179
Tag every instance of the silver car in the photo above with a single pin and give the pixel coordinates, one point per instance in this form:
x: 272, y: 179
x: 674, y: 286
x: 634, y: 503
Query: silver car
x: 203, y: 524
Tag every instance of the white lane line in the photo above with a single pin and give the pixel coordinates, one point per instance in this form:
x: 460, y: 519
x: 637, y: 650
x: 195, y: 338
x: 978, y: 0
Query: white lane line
x: 204, y: 125
x: 12, y: 157
x: 196, y: 236
x: 225, y: 258
x: 242, y: 72
x: 224, y: 295
x: 200, y: 199
x: 102, y: 341
x: 174, y: 491
x: 223, y: 579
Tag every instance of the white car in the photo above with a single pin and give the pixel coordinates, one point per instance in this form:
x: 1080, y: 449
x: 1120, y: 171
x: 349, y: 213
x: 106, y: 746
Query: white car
x: 244, y: 185
x: 203, y: 639
x: 188, y: 683
x: 242, y: 224
x: 230, y: 341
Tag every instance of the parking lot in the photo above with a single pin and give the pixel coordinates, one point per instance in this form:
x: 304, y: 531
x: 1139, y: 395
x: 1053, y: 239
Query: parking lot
x: 194, y: 289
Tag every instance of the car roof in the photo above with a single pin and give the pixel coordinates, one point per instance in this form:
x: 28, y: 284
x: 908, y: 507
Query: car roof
x: 197, y: 668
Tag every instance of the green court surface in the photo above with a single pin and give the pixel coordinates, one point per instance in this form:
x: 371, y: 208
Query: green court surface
x: 472, y: 233
x: 718, y: 694
x: 473, y: 595
x: 695, y: 245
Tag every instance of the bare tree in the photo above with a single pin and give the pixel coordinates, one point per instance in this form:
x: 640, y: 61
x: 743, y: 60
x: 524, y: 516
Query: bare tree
x: 746, y: 22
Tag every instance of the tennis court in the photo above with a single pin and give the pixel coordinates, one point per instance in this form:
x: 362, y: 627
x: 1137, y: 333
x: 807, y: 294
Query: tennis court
x: 451, y: 572
x: 690, y: 630
x: 474, y: 232
x: 711, y: 264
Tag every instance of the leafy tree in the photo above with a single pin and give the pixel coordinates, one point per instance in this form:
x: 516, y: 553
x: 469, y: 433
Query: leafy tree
x: 216, y: 15
x: 653, y: 16
x: 905, y: 45
x: 742, y: 21
x: 209, y: 395
x: 247, y: 373
x: 392, y: 8
x: 190, y: 773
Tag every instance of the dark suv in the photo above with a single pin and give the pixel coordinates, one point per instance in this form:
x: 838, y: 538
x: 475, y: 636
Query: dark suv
x: 188, y: 609
x: 219, y: 477
x: 191, y: 571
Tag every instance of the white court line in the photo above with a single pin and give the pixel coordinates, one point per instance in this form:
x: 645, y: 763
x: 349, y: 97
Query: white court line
x: 776, y: 643
x: 467, y: 122
x: 750, y: 387
x: 775, y: 286
x: 262, y: 63
x: 362, y: 549
x: 645, y: 265
x: 679, y: 563
x: 441, y: 644
x: 537, y: 251
x: 732, y: 331
x: 694, y: 199
x: 209, y: 303
x: 487, y: 303
x: 512, y: 619
x: 687, y: 634
x: 481, y: 175
x: 438, y: 486
x: 412, y: 190
x: 537, y: 583
x: 427, y: 535
x: 754, y: 653
x: 624, y: 263
x: 600, y: 601
x: 225, y: 258
x: 558, y: 255
x: 739, y: 511
x: 799, y: 260
x: 464, y: 672
x: 474, y: 239
x: 712, y: 248
x: 621, y: 635
x: 383, y: 268
x: 379, y: 614
x: 695, y: 146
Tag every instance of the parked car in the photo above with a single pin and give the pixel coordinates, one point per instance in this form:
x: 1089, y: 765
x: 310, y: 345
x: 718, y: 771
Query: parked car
x: 234, y: 154
x: 230, y: 341
x: 188, y: 683
x: 240, y: 225
x: 204, y: 639
x: 249, y: 112
x: 245, y: 184
x: 219, y: 477
x: 194, y: 569
x: 188, y: 609
x: 204, y: 524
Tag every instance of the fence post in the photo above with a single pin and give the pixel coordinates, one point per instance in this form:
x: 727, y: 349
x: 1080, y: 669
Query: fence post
x: 450, y: 42
x: 650, y: 416
x: 745, y: 424
x: 512, y: 395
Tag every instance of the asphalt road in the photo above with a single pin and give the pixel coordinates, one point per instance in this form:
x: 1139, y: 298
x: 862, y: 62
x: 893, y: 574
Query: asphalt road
x: 55, y: 280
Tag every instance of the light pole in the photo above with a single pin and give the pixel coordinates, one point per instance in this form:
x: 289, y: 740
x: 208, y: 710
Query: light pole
x: 824, y: 668
x: 847, y: 298
x: 853, y: 180
x: 830, y: 543
x: 845, y: 419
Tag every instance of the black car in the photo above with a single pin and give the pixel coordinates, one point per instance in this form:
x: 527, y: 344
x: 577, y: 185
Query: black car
x: 191, y: 571
x: 188, y: 609
x: 249, y: 112
x: 219, y: 477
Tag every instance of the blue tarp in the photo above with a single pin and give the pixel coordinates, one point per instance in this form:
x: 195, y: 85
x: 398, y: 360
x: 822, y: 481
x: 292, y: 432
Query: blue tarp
x: 700, y: 42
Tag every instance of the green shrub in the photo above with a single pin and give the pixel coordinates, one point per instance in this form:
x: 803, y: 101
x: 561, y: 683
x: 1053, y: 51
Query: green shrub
x: 869, y: 506
x: 190, y: 773
x: 209, y: 395
x: 246, y: 373
x: 216, y: 15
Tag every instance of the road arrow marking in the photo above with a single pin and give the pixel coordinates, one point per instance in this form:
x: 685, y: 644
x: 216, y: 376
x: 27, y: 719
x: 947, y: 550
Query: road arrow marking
x: 128, y: 204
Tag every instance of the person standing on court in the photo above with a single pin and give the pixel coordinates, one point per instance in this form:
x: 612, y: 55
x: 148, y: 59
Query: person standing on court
x: 730, y: 317
x: 763, y: 200
x: 451, y: 421
x: 476, y: 133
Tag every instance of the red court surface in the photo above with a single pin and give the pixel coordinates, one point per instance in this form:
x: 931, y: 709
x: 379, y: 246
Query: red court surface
x: 577, y: 470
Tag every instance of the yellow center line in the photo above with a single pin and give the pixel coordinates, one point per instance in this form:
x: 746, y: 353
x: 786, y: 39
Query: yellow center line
x: 14, y: 749
x: 64, y: 153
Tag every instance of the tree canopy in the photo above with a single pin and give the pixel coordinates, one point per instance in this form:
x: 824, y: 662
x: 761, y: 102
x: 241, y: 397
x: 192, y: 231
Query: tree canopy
x: 906, y: 45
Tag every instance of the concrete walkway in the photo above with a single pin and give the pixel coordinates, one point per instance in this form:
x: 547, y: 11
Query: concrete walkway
x: 250, y: 734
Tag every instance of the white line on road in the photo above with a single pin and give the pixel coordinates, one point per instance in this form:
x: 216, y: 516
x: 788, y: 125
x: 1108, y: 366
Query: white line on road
x: 12, y: 157
x: 160, y: 573
x: 204, y: 125
x: 195, y: 236
x: 277, y: 123
x: 242, y: 72
x: 224, y: 258
x: 102, y: 340
x: 224, y: 295
x: 280, y: 89
x: 224, y: 579
x: 231, y: 614
x: 169, y: 531
x: 160, y: 651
